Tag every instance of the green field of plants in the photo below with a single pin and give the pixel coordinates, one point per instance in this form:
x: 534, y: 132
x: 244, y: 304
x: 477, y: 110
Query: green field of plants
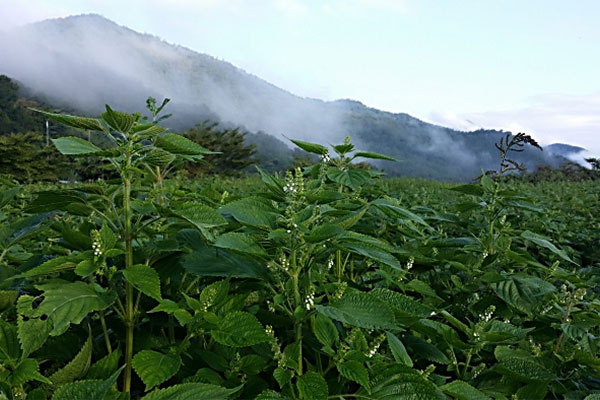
x: 329, y: 282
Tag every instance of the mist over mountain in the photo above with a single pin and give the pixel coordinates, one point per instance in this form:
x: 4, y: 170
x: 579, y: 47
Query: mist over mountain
x: 80, y: 63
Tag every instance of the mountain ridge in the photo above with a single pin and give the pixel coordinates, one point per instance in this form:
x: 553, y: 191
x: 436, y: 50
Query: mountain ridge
x: 82, y: 62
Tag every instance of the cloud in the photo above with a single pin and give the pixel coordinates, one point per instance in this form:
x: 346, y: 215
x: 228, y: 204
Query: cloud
x: 452, y: 120
x: 550, y: 118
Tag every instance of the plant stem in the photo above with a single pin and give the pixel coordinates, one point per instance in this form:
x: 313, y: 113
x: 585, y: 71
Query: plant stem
x: 105, y: 330
x: 298, y: 302
x: 129, y: 311
x: 3, y: 253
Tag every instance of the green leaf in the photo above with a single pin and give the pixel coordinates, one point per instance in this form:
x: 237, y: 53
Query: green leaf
x: 8, y: 194
x: 497, y: 331
x: 22, y: 229
x: 538, y: 391
x: 425, y: 350
x: 271, y: 395
x: 159, y: 158
x: 155, y: 368
x: 74, y: 146
x: 514, y: 294
x: 239, y: 242
x: 355, y: 371
x: 375, y: 156
x: 422, y: 288
x: 252, y: 211
x: 396, y: 211
x: 398, y: 350
x: 402, y: 304
x: 192, y: 391
x: 86, y: 389
x: 488, y: 184
x: 52, y: 266
x: 86, y: 268
x: 26, y: 371
x: 145, y: 279
x: 214, y: 293
x: 397, y: 381
x: 105, y: 367
x: 168, y: 306
x: 473, y: 190
x: 282, y: 376
x: 74, y: 121
x: 32, y: 333
x: 545, y: 243
x: 178, y: 144
x: 9, y: 342
x: 216, y: 262
x: 68, y: 303
x: 147, y: 130
x: 525, y: 370
x: 463, y: 391
x: 323, y: 232
x: 240, y: 329
x: 312, y: 386
x: 374, y: 253
x: 8, y: 298
x: 360, y: 309
x: 353, y: 178
x: 107, y: 237
x: 199, y: 215
x: 325, y: 331
x: 119, y: 121
x: 53, y: 200
x: 311, y: 147
x: 76, y: 368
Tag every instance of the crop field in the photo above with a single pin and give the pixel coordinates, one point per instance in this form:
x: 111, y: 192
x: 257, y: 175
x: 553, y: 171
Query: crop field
x: 328, y: 282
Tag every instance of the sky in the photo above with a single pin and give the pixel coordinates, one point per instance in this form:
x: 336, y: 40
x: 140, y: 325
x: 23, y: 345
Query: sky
x: 531, y: 66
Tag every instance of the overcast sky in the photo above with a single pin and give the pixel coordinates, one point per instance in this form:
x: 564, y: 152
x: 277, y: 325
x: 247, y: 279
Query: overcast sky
x: 530, y: 66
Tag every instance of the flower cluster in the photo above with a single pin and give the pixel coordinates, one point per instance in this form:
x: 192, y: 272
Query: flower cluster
x: 375, y: 345
x: 294, y: 183
x: 340, y: 290
x: 325, y: 158
x: 96, y: 245
x: 487, y: 314
x: 536, y: 348
x: 478, y: 370
x: 309, y: 301
x: 275, y: 347
x: 330, y: 263
x: 410, y: 263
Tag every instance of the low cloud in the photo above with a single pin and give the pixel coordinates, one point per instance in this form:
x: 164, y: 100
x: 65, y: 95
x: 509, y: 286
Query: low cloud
x: 550, y: 118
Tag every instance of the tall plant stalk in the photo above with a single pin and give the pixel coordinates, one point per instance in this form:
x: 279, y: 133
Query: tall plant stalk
x: 127, y: 235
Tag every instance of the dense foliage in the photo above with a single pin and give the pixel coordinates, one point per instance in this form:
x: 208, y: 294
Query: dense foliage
x: 233, y: 154
x: 328, y: 282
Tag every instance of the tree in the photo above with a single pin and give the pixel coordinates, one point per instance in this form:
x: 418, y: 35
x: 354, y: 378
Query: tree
x: 15, y: 117
x: 234, y: 155
x: 23, y: 156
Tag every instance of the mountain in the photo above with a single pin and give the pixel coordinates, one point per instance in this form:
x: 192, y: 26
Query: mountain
x: 80, y: 63
x: 565, y: 150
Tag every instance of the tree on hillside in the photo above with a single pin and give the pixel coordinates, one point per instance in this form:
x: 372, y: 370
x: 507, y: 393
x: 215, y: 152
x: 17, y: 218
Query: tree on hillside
x: 15, y: 117
x: 234, y: 155
x: 24, y: 157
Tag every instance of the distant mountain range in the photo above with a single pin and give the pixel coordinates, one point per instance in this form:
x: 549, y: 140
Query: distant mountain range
x: 80, y: 63
x: 565, y: 150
